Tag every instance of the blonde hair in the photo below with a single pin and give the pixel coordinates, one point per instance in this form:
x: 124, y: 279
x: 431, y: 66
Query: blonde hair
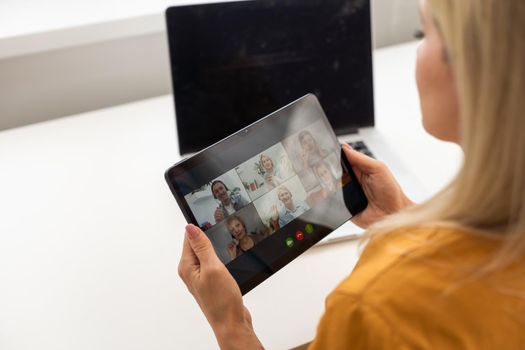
x: 281, y: 189
x: 233, y: 218
x: 484, y: 42
x: 264, y: 156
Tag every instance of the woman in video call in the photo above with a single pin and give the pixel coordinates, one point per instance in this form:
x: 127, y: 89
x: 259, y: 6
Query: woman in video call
x: 291, y: 208
x: 448, y: 273
x: 326, y: 177
x: 243, y: 239
x: 310, y: 150
x: 272, y: 173
x: 229, y: 203
x: 327, y: 181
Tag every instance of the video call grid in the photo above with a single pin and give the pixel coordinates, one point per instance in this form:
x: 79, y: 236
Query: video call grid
x: 300, y: 174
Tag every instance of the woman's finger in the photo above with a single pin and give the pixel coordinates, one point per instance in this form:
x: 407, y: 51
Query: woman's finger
x: 200, y: 245
x: 187, y: 252
x: 188, y: 260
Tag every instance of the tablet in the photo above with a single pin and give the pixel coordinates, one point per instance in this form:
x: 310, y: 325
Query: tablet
x: 267, y: 193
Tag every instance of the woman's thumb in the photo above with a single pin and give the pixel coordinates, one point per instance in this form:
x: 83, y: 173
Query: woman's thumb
x: 360, y: 161
x: 200, y: 244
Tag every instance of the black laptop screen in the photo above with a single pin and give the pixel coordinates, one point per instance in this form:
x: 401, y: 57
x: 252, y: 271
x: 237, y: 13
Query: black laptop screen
x: 234, y: 62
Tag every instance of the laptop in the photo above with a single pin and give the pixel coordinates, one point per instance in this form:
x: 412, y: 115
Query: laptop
x: 235, y: 62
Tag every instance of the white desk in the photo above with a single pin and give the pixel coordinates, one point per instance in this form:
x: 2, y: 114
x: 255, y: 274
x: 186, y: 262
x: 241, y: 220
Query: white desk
x: 90, y: 235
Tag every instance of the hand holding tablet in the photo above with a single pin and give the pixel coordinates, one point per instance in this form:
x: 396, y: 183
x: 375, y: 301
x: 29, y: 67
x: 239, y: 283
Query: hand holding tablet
x: 269, y: 192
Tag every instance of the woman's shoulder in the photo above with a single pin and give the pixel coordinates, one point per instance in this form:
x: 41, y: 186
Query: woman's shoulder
x: 420, y: 283
x: 422, y: 253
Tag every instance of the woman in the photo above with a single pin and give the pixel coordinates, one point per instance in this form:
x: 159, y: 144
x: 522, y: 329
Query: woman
x: 243, y: 240
x: 450, y: 273
x: 291, y: 208
x: 310, y: 150
x: 327, y: 181
x: 272, y: 174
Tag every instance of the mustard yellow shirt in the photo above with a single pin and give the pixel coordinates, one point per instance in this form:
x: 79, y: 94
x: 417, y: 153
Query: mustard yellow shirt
x: 415, y: 289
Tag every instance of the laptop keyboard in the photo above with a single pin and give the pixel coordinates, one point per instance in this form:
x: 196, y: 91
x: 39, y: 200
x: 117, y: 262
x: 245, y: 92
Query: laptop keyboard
x: 360, y: 146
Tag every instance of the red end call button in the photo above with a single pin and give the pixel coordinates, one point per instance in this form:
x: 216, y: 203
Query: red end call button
x: 299, y: 235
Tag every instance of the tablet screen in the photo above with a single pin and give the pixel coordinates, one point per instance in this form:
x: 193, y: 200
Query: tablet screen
x: 268, y: 192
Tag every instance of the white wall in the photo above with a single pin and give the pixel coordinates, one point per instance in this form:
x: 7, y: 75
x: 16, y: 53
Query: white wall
x: 68, y: 81
x: 77, y: 79
x: 394, y: 21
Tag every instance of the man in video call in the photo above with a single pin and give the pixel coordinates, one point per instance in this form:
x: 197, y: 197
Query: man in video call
x: 291, y: 209
x: 230, y: 203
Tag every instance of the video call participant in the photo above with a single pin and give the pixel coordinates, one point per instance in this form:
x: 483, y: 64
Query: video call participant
x: 310, y: 150
x: 229, y: 203
x: 272, y: 174
x: 327, y: 180
x: 291, y: 208
x: 448, y: 273
x: 243, y: 240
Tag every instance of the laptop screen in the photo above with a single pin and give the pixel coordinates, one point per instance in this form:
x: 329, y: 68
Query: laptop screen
x: 235, y: 62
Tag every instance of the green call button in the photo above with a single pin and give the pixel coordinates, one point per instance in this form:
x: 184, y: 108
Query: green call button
x: 309, y: 228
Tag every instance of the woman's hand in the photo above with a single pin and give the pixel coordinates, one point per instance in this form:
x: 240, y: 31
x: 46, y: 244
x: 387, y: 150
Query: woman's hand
x: 384, y: 194
x: 305, y: 157
x: 216, y: 292
x: 270, y: 180
x: 232, y: 249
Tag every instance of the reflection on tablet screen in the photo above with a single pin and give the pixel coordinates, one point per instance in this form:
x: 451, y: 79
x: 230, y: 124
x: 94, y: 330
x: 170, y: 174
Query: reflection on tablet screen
x: 269, y: 192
